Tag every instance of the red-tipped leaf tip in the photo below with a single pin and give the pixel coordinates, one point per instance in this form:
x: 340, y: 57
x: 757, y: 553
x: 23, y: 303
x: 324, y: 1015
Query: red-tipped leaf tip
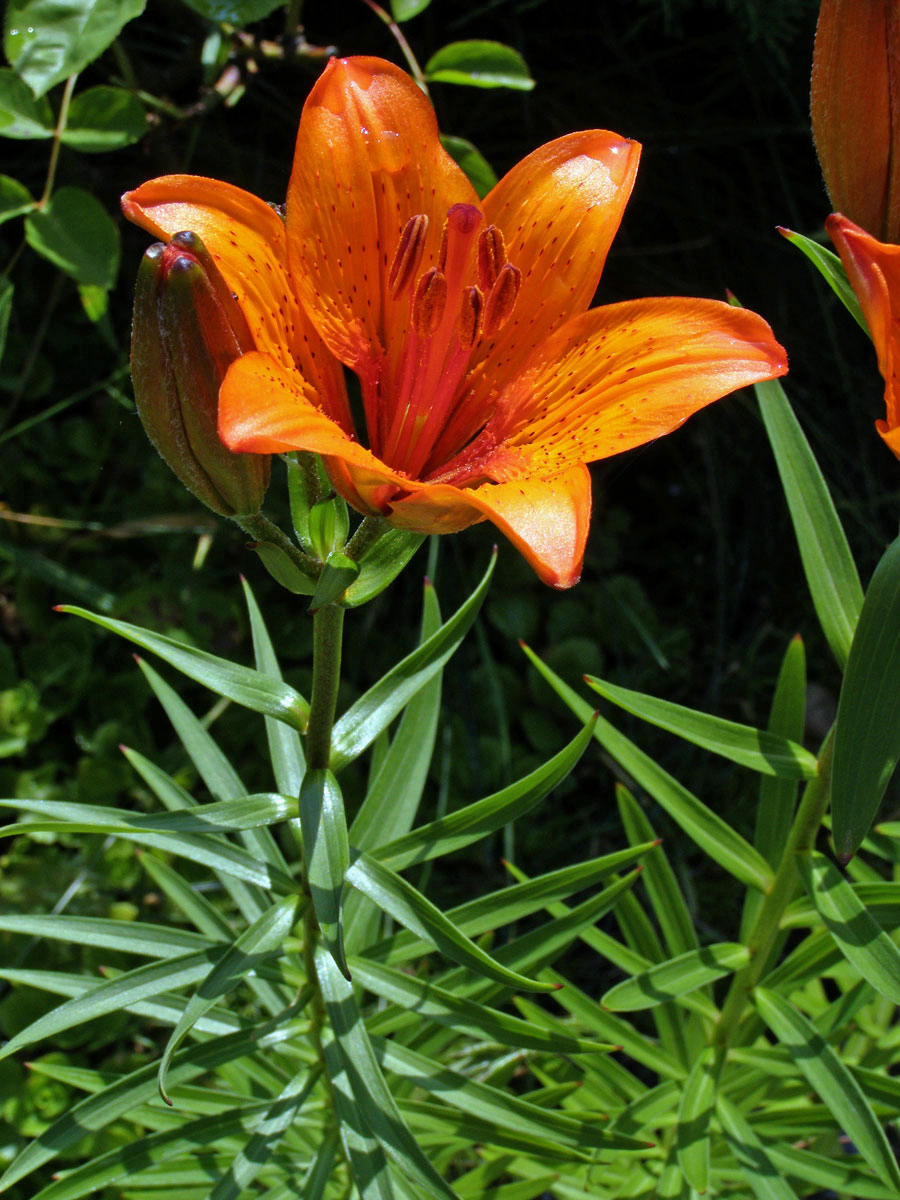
x: 658, y: 842
x: 785, y: 232
x: 523, y: 645
x: 844, y: 859
x: 137, y: 658
x: 57, y: 608
x: 242, y: 577
x: 558, y: 987
x: 426, y: 582
x: 166, y: 1098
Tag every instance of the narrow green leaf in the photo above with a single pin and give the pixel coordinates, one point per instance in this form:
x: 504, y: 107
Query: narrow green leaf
x: 479, y: 63
x: 829, y: 265
x: 867, y: 732
x: 828, y: 1075
x: 243, y: 685
x: 368, y: 1164
x: 713, y: 835
x: 263, y: 939
x: 369, y: 1092
x: 338, y: 572
x: 476, y: 820
x: 76, y: 233
x: 134, y: 937
x: 695, y: 1109
x: 862, y: 940
x: 375, y: 710
x: 677, y: 976
x: 840, y: 1175
x: 762, y: 1176
x: 327, y: 854
x: 204, y: 916
x: 757, y: 749
x: 474, y: 165
x: 405, y: 904
x: 284, y: 569
x: 428, y: 1000
x: 381, y: 564
x: 320, y: 1172
x: 827, y: 563
x: 49, y: 40
x: 6, y: 298
x: 104, y: 118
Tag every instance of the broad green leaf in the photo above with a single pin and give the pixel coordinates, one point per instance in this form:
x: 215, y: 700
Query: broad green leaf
x: 234, y: 12
x: 15, y: 199
x: 375, y: 710
x: 64, y: 817
x: 677, y: 976
x: 827, y: 563
x: 263, y: 939
x: 867, y: 731
x: 410, y: 908
x: 367, y: 1086
x: 48, y: 40
x: 243, y: 685
x: 713, y: 835
x: 763, y: 1177
x: 474, y: 165
x: 496, y: 1105
x: 831, y: 1078
x: 832, y: 270
x: 327, y: 855
x: 861, y: 939
x: 479, y: 63
x: 381, y: 564
x: 757, y: 749
x: 428, y: 1000
x: 476, y: 820
x: 104, y: 118
x: 695, y: 1111
x: 284, y: 569
x: 76, y: 233
x: 405, y: 10
x: 21, y: 115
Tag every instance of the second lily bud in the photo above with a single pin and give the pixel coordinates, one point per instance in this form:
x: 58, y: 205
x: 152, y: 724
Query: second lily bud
x: 188, y: 329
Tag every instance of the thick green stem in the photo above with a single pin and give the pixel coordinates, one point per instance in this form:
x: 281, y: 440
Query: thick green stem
x: 366, y: 534
x: 765, y: 931
x: 328, y: 624
x: 261, y: 529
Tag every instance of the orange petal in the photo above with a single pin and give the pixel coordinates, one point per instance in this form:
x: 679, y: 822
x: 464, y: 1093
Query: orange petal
x: 247, y: 240
x: 545, y: 519
x: 622, y: 375
x: 559, y: 210
x: 367, y: 159
x: 874, y: 271
x: 855, y: 109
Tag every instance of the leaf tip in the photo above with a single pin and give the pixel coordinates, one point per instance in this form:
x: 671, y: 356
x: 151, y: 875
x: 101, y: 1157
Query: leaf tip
x: 845, y: 858
x: 558, y: 987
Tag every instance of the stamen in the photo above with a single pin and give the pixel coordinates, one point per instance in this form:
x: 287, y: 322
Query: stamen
x: 429, y: 302
x: 471, y: 306
x: 491, y: 256
x: 502, y: 299
x: 408, y: 255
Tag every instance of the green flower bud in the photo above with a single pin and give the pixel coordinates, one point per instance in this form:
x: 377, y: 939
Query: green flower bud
x: 188, y: 329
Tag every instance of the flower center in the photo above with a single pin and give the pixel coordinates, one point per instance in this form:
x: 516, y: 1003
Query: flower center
x: 468, y: 295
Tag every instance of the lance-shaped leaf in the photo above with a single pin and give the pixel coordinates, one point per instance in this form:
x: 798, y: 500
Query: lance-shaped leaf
x: 367, y: 1161
x: 867, y: 733
x: 676, y: 977
x: 832, y: 1079
x: 327, y: 855
x: 374, y: 711
x: 757, y: 749
x: 381, y: 564
x: 476, y: 820
x: 368, y: 1090
x: 836, y: 1175
x: 394, y: 895
x: 695, y: 1111
x: 861, y: 939
x: 762, y: 1176
x: 320, y: 1172
x: 152, y: 941
x: 713, y: 835
x: 263, y: 939
x: 243, y: 685
x: 832, y: 271
x: 827, y: 563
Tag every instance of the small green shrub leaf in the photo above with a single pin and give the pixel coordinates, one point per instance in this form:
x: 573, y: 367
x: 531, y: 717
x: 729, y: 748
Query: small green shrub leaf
x: 76, y: 233
x: 479, y: 63
x: 21, y: 116
x: 104, y: 118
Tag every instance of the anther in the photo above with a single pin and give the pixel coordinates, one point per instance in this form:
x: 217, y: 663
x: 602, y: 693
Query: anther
x: 470, y: 312
x: 502, y: 299
x: 491, y: 256
x: 429, y: 302
x: 408, y: 255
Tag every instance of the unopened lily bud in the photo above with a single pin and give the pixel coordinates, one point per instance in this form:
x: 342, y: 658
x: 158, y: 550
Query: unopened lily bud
x: 188, y: 329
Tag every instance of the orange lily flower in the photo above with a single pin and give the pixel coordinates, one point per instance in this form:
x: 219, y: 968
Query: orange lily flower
x: 486, y: 383
x: 874, y: 271
x: 855, y: 109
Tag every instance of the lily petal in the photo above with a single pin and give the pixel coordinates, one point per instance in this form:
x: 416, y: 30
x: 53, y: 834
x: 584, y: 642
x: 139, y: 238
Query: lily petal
x: 558, y: 210
x: 619, y: 376
x: 545, y: 519
x: 367, y: 159
x: 874, y: 271
x: 246, y: 238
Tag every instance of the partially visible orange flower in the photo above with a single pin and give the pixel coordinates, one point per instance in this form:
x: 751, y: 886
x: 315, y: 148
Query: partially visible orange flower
x: 856, y: 110
x: 874, y: 271
x: 486, y: 385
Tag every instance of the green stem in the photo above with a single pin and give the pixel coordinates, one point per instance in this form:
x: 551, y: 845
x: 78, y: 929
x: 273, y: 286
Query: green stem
x: 328, y: 624
x: 417, y: 73
x: 261, y: 529
x: 766, y: 928
x: 57, y: 138
x: 366, y: 534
